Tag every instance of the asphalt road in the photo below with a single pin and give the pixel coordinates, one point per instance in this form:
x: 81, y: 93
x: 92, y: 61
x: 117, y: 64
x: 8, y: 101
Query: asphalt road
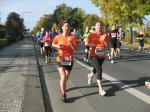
x: 30, y: 85
x: 123, y: 82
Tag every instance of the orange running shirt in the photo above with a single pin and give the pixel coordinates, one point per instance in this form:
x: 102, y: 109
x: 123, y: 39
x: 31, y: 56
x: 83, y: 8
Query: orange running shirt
x: 66, y: 50
x: 97, y: 41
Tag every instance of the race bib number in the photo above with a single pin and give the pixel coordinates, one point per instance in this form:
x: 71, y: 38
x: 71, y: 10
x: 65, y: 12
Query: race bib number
x: 99, y: 51
x: 66, y: 61
x: 113, y: 35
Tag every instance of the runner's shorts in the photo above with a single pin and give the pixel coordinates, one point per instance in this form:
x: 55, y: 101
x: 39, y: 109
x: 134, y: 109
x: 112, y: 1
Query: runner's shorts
x: 67, y: 67
x: 113, y: 43
x: 118, y: 43
x: 141, y: 43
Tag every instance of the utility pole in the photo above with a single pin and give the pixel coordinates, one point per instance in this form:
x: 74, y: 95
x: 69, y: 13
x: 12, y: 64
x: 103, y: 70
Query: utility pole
x: 0, y: 18
x: 22, y: 14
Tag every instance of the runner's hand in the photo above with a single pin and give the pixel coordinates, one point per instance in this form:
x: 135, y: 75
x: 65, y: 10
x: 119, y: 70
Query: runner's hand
x: 59, y: 46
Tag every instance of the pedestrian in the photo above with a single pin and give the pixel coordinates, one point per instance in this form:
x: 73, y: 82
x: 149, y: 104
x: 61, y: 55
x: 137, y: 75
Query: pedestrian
x: 121, y: 33
x: 47, y: 47
x: 87, y: 47
x: 113, y: 34
x: 66, y: 43
x: 41, y: 42
x: 53, y: 33
x: 140, y: 38
x: 120, y: 37
x: 98, y: 41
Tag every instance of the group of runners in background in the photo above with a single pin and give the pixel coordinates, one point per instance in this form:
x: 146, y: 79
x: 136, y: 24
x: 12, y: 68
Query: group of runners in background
x: 115, y: 35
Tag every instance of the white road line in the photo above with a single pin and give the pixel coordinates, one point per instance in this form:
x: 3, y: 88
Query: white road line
x: 126, y: 87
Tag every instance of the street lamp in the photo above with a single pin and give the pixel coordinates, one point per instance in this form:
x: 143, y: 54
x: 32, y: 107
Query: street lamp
x: 25, y: 12
x: 0, y: 17
x: 23, y: 18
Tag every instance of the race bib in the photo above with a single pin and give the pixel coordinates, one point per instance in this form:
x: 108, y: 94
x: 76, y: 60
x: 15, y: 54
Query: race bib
x: 66, y: 61
x: 99, y: 51
x: 114, y: 35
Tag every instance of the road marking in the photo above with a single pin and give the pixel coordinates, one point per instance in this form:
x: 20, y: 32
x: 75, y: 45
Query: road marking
x: 126, y: 87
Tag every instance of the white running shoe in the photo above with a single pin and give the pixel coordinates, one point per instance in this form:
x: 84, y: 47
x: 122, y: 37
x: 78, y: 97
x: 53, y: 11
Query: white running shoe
x: 102, y: 92
x: 89, y: 79
x: 87, y: 60
x: 112, y: 61
x: 109, y: 56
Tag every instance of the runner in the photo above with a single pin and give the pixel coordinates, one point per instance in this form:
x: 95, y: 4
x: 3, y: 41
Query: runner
x: 140, y: 38
x: 121, y: 33
x: 41, y: 35
x: 113, y: 34
x: 120, y: 37
x: 98, y: 41
x: 53, y: 33
x: 66, y: 44
x: 47, y: 46
x: 87, y: 47
x: 38, y: 38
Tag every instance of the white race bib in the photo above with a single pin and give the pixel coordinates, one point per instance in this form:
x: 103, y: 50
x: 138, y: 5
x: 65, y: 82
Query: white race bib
x: 99, y: 51
x: 66, y: 61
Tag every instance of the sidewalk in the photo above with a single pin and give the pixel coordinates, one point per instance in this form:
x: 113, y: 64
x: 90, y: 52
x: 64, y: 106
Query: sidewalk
x: 20, y: 89
x: 134, y: 45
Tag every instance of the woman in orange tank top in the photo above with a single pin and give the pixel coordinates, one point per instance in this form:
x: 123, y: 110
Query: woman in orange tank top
x: 66, y: 44
x: 98, y: 41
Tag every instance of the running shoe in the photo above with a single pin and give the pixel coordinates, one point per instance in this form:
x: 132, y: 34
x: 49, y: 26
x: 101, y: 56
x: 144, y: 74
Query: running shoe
x: 89, y: 79
x: 46, y: 62
x: 63, y: 98
x: 87, y: 60
x: 102, y: 92
x: 109, y: 56
x: 112, y: 61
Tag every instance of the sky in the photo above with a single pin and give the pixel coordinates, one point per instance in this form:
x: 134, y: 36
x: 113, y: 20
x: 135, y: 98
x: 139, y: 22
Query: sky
x: 32, y: 10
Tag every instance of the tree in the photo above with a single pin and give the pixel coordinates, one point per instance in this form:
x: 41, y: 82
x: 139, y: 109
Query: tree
x: 61, y: 13
x: 3, y: 31
x: 73, y: 15
x: 127, y: 12
x: 77, y: 18
x: 45, y: 22
x: 90, y: 20
x: 14, y: 25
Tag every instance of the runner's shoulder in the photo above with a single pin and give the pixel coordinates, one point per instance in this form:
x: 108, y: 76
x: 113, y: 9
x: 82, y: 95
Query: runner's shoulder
x: 93, y: 34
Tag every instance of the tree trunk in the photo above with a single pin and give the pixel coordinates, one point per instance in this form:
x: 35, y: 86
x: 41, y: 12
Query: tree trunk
x: 131, y: 35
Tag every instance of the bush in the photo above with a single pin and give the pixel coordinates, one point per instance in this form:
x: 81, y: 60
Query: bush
x: 10, y: 40
x: 147, y: 40
x: 3, y: 43
x: 135, y: 40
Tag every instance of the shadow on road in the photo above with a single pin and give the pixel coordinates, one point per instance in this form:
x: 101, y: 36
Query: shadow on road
x: 113, y: 88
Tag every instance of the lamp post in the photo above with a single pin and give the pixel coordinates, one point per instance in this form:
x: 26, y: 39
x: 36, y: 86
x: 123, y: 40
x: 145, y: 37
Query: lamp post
x: 24, y: 13
x: 23, y: 18
x: 0, y: 17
